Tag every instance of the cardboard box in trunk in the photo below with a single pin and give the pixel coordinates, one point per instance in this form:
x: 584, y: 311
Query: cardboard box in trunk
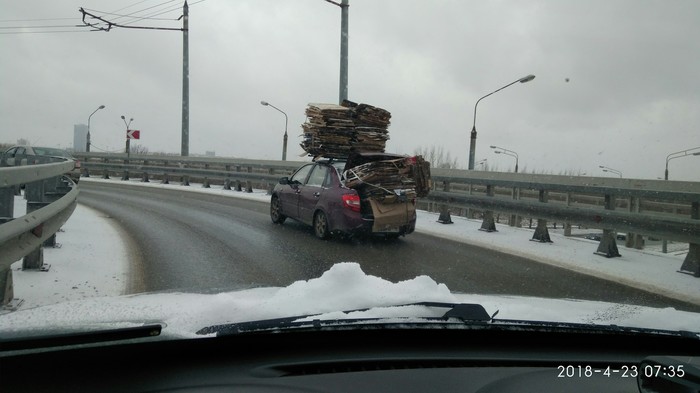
x: 390, y: 216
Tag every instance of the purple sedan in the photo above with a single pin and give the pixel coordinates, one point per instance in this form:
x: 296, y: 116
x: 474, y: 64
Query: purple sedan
x: 316, y: 195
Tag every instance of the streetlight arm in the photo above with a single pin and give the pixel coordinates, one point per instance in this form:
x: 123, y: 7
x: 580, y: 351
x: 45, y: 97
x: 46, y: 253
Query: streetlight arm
x: 679, y: 154
x: 521, y: 80
x: 286, y: 119
x: 504, y: 149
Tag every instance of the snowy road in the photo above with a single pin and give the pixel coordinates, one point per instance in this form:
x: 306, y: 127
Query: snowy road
x: 202, y: 242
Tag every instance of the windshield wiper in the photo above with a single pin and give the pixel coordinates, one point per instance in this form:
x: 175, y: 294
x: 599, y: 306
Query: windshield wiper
x: 81, y: 338
x: 463, y: 315
x: 466, y: 312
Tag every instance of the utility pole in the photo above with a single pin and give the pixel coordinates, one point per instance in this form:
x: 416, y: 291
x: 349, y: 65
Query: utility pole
x: 344, y: 50
x: 185, y: 151
x: 98, y: 23
x: 343, y: 90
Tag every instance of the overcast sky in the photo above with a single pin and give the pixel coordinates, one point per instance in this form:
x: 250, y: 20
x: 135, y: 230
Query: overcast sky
x: 632, y: 95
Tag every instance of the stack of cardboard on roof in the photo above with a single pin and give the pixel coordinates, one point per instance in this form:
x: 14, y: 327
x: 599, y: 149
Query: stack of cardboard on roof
x: 335, y: 131
x: 339, y: 131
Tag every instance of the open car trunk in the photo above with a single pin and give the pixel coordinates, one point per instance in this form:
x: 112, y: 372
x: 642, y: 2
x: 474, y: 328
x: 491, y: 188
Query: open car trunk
x: 388, y: 185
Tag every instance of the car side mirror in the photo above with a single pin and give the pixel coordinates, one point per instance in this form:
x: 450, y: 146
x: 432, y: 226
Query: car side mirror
x: 284, y: 180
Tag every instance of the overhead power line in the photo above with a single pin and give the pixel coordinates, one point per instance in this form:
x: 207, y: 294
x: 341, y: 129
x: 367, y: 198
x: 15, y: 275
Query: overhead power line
x: 151, y: 12
x: 98, y: 23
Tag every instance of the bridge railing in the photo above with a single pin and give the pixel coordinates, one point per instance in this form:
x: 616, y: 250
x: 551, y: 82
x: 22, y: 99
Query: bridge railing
x: 51, y: 199
x: 657, y: 208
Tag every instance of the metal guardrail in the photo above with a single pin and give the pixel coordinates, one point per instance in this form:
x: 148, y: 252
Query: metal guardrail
x: 49, y: 207
x: 485, y: 191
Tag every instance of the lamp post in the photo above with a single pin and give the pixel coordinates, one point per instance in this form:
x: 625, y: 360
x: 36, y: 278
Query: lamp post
x: 500, y: 150
x: 128, y: 145
x: 87, y: 143
x: 128, y: 148
x: 679, y: 154
x: 343, y: 94
x: 284, y: 142
x: 472, y: 143
x: 608, y: 169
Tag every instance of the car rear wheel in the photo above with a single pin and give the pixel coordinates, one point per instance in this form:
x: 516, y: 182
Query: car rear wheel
x: 321, y: 225
x: 275, y: 211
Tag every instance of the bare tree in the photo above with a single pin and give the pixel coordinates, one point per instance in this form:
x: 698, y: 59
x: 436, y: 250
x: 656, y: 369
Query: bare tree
x: 437, y: 157
x: 138, y: 149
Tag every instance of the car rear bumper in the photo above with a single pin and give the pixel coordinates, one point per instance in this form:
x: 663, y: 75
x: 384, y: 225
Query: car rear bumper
x: 356, y: 224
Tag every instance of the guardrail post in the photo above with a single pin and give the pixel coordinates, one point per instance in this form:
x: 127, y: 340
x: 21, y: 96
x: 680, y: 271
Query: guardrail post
x: 515, y: 220
x: 206, y: 183
x: 691, y: 264
x: 634, y: 239
x: 6, y: 288
x: 608, y: 244
x: 488, y: 225
x: 541, y: 232
x: 227, y: 180
x: 125, y: 176
x: 7, y: 204
x: 105, y: 172
x: 567, y: 224
x: 54, y: 189
x: 34, y: 193
x: 144, y: 177
x: 166, y: 178
x: 445, y: 217
x: 249, y: 184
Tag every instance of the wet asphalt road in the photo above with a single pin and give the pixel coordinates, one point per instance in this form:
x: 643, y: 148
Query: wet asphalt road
x: 200, y: 242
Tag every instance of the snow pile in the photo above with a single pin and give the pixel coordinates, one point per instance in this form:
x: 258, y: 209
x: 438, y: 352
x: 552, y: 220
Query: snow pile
x: 343, y: 287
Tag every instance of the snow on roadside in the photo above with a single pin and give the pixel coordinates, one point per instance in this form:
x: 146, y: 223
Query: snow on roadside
x: 183, y: 314
x: 93, y: 259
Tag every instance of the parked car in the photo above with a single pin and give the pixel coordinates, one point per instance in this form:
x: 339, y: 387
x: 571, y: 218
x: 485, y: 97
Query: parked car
x: 25, y: 155
x: 594, y: 236
x: 317, y: 195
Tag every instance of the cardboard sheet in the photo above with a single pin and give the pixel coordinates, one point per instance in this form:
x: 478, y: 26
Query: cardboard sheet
x: 389, y: 217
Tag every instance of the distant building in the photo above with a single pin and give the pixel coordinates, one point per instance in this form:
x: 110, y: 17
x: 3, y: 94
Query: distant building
x: 210, y: 153
x: 79, y: 137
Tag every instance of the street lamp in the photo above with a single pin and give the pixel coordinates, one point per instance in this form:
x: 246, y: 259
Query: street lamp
x: 343, y: 95
x: 679, y: 154
x: 508, y: 153
x: 284, y: 143
x: 607, y: 169
x: 87, y: 143
x: 481, y: 162
x: 127, y: 139
x: 472, y: 143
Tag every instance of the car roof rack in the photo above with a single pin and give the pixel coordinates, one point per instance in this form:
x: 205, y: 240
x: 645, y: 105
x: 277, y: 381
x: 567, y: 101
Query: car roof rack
x: 327, y: 160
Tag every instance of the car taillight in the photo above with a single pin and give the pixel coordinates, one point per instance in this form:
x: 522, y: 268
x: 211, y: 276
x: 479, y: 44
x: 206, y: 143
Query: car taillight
x: 352, y: 202
x: 413, y: 200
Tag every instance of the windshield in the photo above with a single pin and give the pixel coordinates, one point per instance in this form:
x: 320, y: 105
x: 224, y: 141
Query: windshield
x: 538, y: 158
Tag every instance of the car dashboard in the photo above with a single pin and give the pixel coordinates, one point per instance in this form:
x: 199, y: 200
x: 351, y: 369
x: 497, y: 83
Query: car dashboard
x: 365, y: 359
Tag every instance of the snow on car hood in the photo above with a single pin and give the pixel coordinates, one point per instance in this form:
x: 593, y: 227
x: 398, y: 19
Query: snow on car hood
x: 343, y: 287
